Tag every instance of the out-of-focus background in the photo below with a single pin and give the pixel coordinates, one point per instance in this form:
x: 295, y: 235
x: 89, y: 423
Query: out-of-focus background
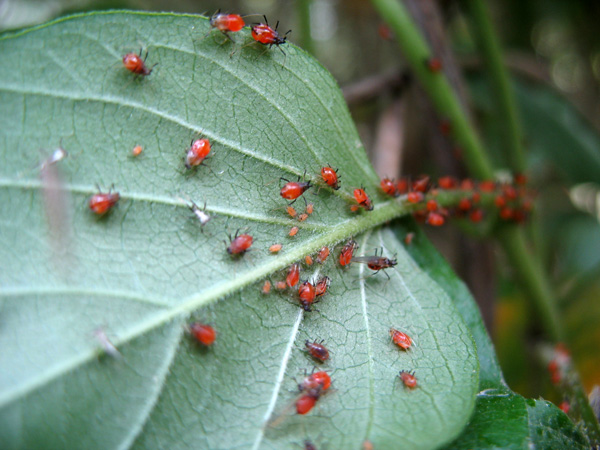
x: 552, y: 48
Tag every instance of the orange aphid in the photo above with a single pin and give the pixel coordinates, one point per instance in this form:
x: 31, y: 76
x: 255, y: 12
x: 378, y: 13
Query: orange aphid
x: 308, y: 260
x: 280, y: 285
x: 275, y: 248
x: 266, y: 287
x: 409, y: 238
x: 291, y: 211
x: 302, y: 217
x: 310, y: 208
x: 293, y: 231
x: 137, y: 150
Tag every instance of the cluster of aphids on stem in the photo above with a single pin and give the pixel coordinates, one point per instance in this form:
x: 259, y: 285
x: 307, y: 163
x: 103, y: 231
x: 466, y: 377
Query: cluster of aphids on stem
x: 512, y: 201
x: 560, y: 369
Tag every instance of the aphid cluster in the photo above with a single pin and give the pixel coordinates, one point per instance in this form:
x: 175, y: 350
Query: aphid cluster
x: 513, y: 201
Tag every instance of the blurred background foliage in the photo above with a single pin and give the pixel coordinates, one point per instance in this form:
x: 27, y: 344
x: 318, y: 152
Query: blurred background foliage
x: 552, y: 48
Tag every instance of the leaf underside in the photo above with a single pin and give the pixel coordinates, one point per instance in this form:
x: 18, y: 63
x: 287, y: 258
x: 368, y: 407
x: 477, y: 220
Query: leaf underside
x: 145, y: 270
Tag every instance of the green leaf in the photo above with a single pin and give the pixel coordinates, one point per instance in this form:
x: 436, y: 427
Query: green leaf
x: 554, y: 131
x: 145, y: 270
x: 502, y: 419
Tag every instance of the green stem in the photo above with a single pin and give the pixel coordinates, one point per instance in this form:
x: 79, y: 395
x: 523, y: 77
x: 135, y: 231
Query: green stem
x: 505, y: 99
x: 528, y: 271
x: 417, y: 52
x: 306, y: 40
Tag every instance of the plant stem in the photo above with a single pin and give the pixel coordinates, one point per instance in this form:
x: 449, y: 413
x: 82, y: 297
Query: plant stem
x: 531, y: 276
x: 505, y: 99
x: 417, y: 53
x: 303, y: 11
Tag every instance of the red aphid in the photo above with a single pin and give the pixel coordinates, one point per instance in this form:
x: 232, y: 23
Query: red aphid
x: 266, y: 35
x: 520, y: 179
x: 500, y: 201
x: 347, y: 252
x: 432, y: 205
x: 435, y: 219
x: 307, y: 401
x: 401, y: 339
x: 447, y: 183
x: 318, y: 380
x: 565, y: 407
x: 294, y: 189
x: 307, y: 294
x: 385, y: 32
x: 330, y: 177
x: 445, y: 127
x: 293, y: 275
x: 510, y: 192
x: 323, y: 255
x: 226, y: 23
x: 363, y: 199
x: 205, y: 334
x: 434, y: 65
x: 240, y: 244
x: 464, y: 204
x: 476, y: 215
x: 467, y: 184
x: 408, y: 378
x: 197, y: 153
x: 388, y: 186
x: 321, y: 286
x: 487, y: 186
x: 506, y: 213
x: 101, y: 203
x: 414, y: 197
x: 402, y: 186
x: 135, y: 64
x: 421, y: 184
x: 317, y: 350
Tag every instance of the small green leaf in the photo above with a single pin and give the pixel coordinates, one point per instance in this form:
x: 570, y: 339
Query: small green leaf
x: 145, y: 270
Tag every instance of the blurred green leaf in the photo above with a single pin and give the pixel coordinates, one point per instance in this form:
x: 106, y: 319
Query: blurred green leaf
x: 554, y: 131
x: 145, y: 270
